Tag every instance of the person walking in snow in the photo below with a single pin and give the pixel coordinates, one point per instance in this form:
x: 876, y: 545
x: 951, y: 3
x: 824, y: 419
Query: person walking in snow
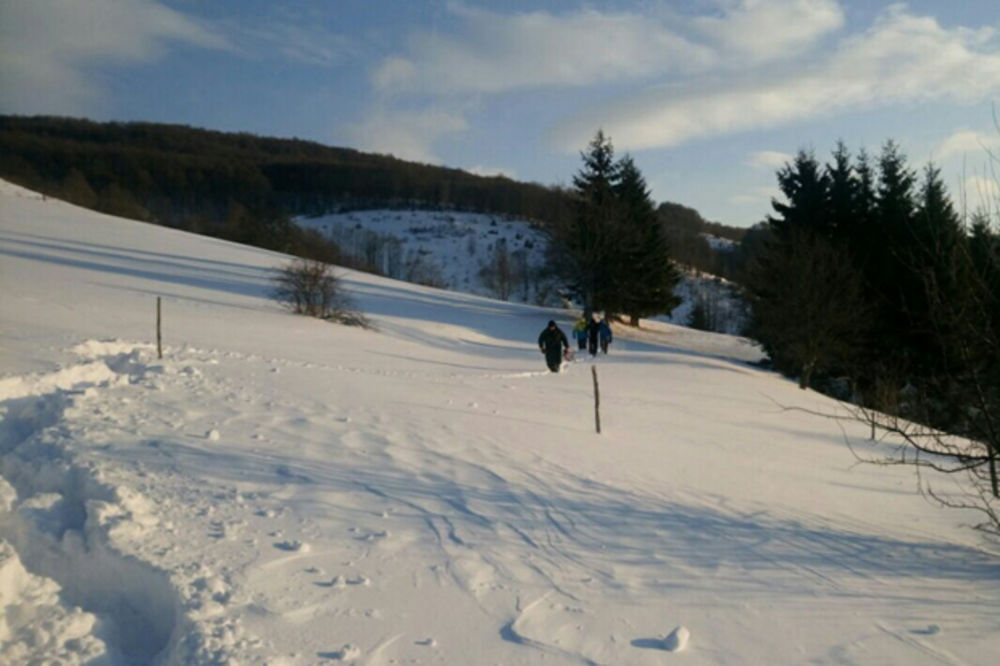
x: 593, y: 332
x: 604, y: 332
x: 551, y: 342
x: 580, y: 333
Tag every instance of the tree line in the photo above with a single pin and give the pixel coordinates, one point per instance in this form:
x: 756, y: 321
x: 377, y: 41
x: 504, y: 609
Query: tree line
x: 238, y: 185
x: 869, y: 279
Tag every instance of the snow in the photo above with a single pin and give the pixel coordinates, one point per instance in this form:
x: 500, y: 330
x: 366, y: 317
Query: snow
x: 452, y: 246
x: 282, y: 490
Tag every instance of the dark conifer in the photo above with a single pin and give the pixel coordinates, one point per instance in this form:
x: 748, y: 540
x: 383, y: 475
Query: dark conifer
x: 648, y: 274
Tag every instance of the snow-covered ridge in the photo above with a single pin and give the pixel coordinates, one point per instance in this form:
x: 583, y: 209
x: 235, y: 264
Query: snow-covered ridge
x: 281, y: 490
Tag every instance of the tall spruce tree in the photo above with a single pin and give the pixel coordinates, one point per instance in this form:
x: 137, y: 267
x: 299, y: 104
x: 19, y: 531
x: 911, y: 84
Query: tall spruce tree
x: 590, y: 240
x: 842, y: 194
x: 648, y: 275
x: 613, y: 247
x: 892, y: 267
x: 806, y: 189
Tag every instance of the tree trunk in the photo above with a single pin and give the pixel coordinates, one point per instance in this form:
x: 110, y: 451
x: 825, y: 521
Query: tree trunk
x: 806, y: 377
x: 993, y: 474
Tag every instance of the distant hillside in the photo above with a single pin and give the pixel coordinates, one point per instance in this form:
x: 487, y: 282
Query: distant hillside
x: 709, y: 247
x: 201, y: 179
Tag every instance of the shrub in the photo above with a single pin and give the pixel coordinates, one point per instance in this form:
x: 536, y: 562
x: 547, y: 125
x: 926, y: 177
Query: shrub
x: 309, y: 287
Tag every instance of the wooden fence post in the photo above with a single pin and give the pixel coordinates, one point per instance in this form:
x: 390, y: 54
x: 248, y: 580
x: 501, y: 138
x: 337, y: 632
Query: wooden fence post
x: 159, y: 334
x: 597, y: 400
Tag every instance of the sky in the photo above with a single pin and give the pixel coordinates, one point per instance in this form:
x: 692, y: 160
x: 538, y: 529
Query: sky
x: 709, y: 97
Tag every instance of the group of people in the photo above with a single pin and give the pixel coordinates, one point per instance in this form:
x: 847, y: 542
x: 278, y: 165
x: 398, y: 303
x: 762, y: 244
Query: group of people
x: 591, y: 333
x: 588, y: 334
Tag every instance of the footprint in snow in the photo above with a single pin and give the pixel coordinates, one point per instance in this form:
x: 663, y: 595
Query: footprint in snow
x: 347, y: 653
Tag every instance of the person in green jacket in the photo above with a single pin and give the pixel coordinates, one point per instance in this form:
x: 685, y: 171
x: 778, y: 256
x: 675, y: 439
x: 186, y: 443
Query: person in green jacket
x: 580, y: 333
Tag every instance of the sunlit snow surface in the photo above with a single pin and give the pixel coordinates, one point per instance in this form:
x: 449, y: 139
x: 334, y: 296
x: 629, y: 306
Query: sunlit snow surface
x: 281, y: 490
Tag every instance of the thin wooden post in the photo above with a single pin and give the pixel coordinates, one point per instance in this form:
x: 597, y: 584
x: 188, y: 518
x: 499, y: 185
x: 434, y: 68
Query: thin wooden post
x: 597, y: 400
x: 159, y: 333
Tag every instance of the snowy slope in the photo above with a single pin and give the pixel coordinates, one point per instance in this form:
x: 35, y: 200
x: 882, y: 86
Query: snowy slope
x: 280, y: 490
x: 451, y: 247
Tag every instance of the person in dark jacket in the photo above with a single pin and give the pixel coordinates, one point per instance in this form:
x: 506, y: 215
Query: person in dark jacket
x: 551, y: 342
x: 593, y: 331
x: 604, y: 331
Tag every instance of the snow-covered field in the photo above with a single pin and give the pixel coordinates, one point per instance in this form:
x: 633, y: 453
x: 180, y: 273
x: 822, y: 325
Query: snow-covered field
x: 281, y: 490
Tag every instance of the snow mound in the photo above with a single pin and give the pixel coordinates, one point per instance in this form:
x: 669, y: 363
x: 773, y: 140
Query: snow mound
x: 35, y: 625
x: 677, y: 640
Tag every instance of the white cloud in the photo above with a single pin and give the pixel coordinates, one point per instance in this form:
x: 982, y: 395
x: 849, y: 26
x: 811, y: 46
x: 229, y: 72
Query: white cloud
x: 902, y: 58
x: 497, y: 52
x: 762, y: 30
x: 46, y: 47
x: 967, y: 143
x: 493, y: 52
x: 407, y: 135
x: 769, y: 159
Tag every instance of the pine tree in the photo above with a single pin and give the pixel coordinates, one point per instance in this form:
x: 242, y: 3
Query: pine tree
x: 613, y: 246
x: 891, y: 268
x: 807, y: 295
x: 649, y: 276
x: 894, y: 204
x: 589, y: 240
x: 842, y: 194
x: 806, y: 188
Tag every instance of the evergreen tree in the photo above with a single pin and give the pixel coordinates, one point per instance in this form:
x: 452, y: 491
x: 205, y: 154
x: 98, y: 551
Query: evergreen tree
x: 842, y: 194
x: 613, y: 248
x: 590, y: 240
x: 649, y: 277
x: 861, y: 232
x: 809, y: 311
x: 895, y: 205
x: 807, y: 296
x: 893, y: 267
x: 806, y: 188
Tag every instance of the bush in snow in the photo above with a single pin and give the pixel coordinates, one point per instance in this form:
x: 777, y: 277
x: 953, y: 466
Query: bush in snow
x: 309, y: 287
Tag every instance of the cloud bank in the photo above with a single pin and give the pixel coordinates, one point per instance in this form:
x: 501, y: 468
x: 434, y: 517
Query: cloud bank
x: 664, y: 79
x: 46, y: 46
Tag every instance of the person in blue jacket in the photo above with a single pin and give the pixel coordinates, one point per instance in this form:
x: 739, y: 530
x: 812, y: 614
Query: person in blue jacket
x: 604, y: 331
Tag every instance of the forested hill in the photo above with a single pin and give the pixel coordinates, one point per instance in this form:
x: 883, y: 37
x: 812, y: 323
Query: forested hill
x: 201, y: 179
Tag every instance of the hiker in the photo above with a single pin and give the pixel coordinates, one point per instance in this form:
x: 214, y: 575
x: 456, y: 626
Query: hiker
x: 593, y: 332
x: 604, y: 332
x: 580, y: 333
x: 551, y: 342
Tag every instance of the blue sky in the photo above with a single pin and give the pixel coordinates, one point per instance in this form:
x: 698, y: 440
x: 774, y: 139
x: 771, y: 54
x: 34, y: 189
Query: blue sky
x: 708, y: 96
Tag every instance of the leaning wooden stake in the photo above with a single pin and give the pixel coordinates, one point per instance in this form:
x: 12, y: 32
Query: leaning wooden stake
x: 159, y: 334
x: 597, y: 400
